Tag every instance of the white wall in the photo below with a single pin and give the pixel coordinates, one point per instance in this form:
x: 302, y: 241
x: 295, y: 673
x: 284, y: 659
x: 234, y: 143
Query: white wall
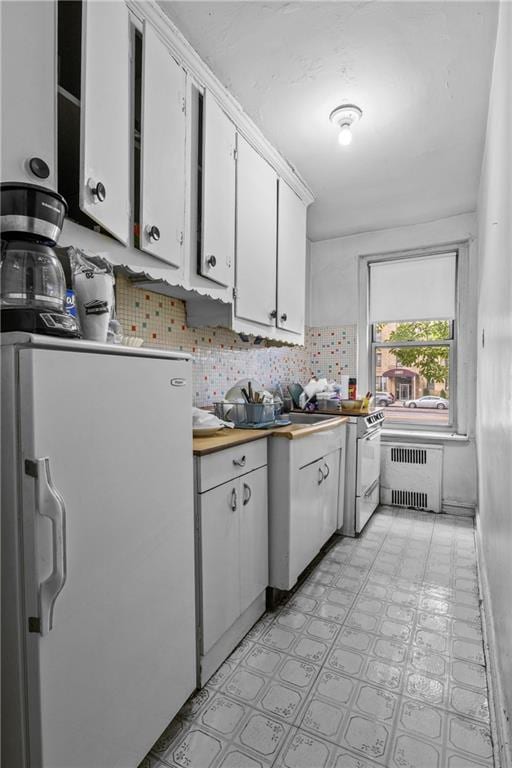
x: 494, y: 414
x: 334, y: 263
x: 334, y: 300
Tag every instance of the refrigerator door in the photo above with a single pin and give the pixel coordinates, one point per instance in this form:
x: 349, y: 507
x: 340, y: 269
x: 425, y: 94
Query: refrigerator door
x: 108, y: 532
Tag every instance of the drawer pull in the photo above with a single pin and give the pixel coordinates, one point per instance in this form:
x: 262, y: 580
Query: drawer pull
x: 240, y: 462
x: 234, y: 500
x: 247, y: 494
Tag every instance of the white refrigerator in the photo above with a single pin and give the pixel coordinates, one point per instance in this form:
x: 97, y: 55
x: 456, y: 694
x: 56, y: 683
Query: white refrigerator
x: 98, y: 617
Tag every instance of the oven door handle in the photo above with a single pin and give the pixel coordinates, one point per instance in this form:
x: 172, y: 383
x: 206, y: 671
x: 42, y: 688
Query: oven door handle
x: 371, y: 489
x: 373, y: 435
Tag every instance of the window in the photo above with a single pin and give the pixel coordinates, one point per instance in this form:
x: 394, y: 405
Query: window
x: 412, y: 312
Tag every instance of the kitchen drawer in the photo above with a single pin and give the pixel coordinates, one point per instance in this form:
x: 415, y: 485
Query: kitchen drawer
x: 222, y: 466
x: 317, y: 445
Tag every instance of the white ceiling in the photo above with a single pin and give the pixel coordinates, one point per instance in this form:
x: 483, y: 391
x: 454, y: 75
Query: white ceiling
x: 420, y: 71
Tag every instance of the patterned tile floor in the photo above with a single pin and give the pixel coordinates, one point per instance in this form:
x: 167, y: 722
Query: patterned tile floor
x: 375, y: 660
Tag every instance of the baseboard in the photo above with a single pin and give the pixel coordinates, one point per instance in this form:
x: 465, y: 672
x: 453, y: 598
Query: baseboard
x: 500, y: 725
x: 457, y: 508
x: 226, y: 644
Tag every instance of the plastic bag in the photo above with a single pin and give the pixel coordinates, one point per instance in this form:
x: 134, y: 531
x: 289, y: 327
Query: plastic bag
x: 93, y: 283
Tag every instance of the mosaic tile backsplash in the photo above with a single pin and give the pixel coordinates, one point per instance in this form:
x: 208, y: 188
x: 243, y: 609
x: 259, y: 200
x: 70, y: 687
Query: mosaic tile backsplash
x: 220, y: 356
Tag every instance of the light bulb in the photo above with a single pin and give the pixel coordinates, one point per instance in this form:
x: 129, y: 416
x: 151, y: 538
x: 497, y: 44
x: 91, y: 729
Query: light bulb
x: 345, y: 136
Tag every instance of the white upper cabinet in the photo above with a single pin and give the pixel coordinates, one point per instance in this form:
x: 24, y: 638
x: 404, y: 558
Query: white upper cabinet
x: 291, y: 260
x: 217, y: 161
x: 105, y: 117
x: 162, y: 214
x: 256, y: 237
x: 28, y: 86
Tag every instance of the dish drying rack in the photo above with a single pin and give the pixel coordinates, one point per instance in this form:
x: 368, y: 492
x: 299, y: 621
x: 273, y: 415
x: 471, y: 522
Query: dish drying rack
x: 250, y: 415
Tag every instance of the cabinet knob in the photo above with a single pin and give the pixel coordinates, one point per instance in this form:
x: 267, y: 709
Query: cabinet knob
x: 284, y: 317
x: 39, y: 168
x: 240, y: 462
x: 153, y: 233
x: 98, y: 190
x: 211, y: 260
x: 273, y: 314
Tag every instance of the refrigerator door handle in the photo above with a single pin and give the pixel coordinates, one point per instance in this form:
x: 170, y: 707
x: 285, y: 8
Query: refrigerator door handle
x: 49, y: 503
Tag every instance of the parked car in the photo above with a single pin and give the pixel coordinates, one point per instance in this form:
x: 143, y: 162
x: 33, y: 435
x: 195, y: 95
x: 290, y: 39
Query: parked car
x: 384, y: 398
x: 428, y: 401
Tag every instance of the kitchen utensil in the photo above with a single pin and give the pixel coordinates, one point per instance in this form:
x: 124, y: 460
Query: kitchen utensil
x: 351, y: 405
x: 206, y: 431
x: 295, y: 391
x: 234, y: 394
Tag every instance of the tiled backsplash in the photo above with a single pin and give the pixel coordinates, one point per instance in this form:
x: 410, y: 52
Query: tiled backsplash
x: 220, y: 356
x: 332, y: 350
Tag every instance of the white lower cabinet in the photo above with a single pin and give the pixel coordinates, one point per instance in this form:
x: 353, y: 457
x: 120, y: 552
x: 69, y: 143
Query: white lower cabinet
x: 231, y: 551
x: 305, y: 493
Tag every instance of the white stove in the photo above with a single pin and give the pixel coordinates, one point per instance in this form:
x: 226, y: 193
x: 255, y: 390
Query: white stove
x: 362, y: 477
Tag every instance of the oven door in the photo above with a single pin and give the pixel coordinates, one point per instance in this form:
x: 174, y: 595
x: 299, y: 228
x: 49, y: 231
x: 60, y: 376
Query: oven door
x: 368, y: 461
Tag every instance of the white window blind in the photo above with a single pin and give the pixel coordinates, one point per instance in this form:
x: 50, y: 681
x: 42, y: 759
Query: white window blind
x: 413, y: 289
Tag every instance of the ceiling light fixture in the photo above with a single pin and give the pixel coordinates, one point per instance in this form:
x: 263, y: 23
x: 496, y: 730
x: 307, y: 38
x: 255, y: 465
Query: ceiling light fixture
x: 345, y: 116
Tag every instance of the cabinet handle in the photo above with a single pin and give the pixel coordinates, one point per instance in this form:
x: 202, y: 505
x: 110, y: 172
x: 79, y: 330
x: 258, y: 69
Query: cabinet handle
x: 284, y: 317
x: 98, y: 190
x: 240, y: 462
x: 273, y: 314
x: 49, y: 503
x: 321, y: 477
x: 39, y: 168
x: 328, y: 471
x: 234, y: 500
x: 153, y: 233
x: 211, y: 260
x: 247, y: 497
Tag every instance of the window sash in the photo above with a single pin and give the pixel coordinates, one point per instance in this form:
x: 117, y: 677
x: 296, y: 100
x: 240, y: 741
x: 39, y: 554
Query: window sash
x: 410, y: 424
x: 421, y: 342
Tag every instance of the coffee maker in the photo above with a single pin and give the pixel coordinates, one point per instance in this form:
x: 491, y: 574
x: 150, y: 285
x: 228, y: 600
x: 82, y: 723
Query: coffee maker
x: 32, y: 282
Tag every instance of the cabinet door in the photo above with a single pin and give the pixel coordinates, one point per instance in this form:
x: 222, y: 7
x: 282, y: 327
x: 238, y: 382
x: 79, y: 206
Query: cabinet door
x: 256, y: 236
x: 29, y: 87
x: 163, y: 152
x: 330, y: 467
x: 220, y: 517
x: 306, y: 520
x: 105, y: 117
x: 291, y: 260
x: 253, y: 536
x: 218, y: 194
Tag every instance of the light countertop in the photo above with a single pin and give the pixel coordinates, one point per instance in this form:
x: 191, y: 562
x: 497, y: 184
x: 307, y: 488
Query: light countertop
x: 230, y: 437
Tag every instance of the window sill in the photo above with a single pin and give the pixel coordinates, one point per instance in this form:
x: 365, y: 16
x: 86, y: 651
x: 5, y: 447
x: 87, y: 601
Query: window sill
x: 425, y: 436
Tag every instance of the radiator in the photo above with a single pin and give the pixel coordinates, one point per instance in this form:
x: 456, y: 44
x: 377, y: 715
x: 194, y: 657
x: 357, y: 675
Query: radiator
x: 411, y: 475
